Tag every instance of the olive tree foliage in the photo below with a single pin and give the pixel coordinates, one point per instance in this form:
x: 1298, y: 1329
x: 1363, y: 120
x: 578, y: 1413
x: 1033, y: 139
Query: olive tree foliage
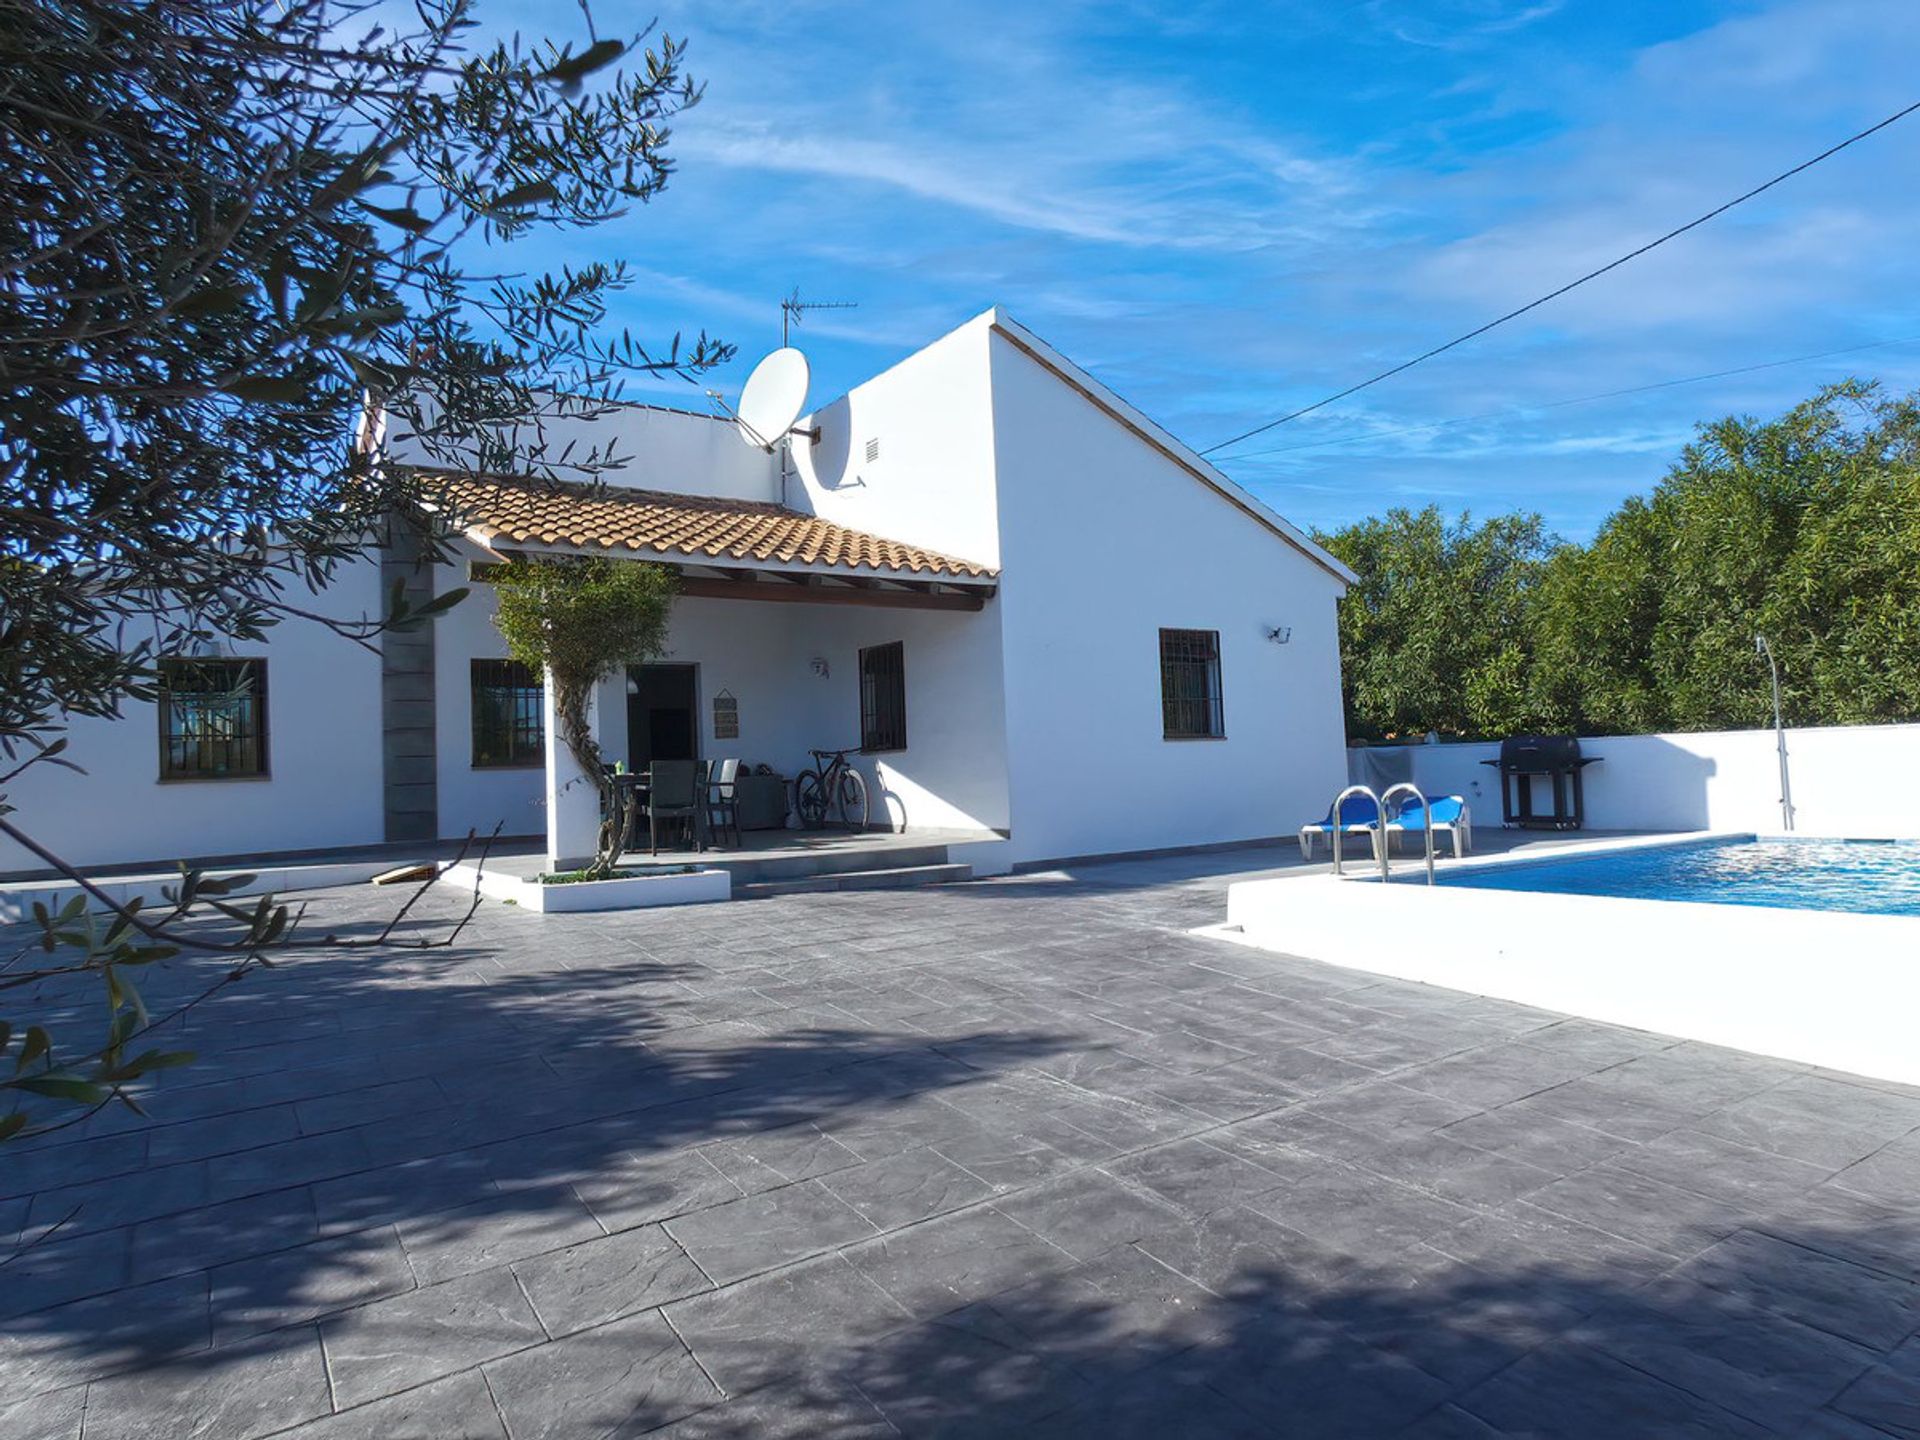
x: 1434, y: 635
x: 227, y: 222
x: 1804, y: 528
x: 581, y: 620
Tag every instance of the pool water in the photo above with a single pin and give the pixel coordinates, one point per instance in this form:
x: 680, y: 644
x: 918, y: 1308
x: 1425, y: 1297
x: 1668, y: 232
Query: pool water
x: 1865, y: 877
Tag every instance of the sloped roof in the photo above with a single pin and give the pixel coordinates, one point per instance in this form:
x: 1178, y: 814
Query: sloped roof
x: 692, y: 527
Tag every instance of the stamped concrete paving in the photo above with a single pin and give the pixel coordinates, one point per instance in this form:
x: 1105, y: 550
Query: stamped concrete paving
x: 1016, y: 1157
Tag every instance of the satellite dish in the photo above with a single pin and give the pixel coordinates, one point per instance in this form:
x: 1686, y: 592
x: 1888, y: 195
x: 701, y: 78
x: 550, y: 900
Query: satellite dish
x: 773, y: 398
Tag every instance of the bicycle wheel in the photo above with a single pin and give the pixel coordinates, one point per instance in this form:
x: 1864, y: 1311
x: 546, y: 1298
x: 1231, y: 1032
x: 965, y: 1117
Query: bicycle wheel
x: 810, y: 799
x: 853, y: 798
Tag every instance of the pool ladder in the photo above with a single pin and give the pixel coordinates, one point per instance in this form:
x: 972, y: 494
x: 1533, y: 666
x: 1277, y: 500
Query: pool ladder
x: 1380, y: 835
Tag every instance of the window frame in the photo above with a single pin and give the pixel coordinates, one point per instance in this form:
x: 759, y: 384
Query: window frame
x: 515, y: 725
x: 1212, y: 692
x: 877, y: 736
x: 255, y: 694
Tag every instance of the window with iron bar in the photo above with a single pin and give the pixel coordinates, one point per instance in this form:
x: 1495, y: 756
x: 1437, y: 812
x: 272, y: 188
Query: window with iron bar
x: 883, y: 697
x: 509, y: 727
x: 1190, y: 702
x: 213, y: 719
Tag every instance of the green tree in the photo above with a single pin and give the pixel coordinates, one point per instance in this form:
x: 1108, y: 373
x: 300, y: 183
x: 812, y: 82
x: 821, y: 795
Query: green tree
x: 1435, y: 635
x: 226, y: 222
x: 580, y: 621
x: 1805, y: 528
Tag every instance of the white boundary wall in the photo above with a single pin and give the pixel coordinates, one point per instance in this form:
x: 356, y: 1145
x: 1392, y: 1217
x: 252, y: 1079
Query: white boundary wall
x: 1854, y: 780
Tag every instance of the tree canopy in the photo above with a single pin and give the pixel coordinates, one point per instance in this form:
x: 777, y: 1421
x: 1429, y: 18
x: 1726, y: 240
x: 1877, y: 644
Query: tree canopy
x: 228, y: 221
x: 580, y: 620
x: 1804, y: 528
x: 227, y: 224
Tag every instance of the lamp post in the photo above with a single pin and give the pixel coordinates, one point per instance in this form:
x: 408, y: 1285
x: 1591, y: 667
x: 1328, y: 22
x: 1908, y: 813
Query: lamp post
x: 1761, y: 647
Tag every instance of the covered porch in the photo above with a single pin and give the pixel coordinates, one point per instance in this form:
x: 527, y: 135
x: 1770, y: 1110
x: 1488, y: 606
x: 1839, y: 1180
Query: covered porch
x: 790, y: 635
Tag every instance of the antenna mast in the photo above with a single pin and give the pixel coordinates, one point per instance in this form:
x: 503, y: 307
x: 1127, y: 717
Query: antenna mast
x: 793, y: 310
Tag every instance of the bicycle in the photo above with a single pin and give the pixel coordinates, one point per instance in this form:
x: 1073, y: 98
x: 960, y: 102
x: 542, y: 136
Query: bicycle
x: 831, y: 782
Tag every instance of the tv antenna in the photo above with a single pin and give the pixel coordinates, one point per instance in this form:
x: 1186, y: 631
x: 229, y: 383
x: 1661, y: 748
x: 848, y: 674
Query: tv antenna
x: 793, y: 310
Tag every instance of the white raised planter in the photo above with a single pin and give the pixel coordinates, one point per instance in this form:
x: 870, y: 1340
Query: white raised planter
x: 633, y: 892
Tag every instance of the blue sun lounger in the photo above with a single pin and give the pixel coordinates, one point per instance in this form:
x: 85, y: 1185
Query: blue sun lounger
x: 1450, y: 815
x: 1359, y: 815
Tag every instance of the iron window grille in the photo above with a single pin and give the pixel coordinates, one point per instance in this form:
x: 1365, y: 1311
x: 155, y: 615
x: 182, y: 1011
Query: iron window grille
x: 1190, y: 703
x: 213, y: 719
x: 883, y: 697
x: 509, y: 726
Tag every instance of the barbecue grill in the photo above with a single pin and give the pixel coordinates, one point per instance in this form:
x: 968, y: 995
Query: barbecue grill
x: 1523, y: 759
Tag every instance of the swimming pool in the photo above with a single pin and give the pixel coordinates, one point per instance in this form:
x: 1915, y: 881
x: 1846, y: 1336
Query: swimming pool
x: 1861, y: 877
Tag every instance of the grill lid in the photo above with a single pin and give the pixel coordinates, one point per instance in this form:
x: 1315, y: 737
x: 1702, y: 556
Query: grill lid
x: 1540, y: 754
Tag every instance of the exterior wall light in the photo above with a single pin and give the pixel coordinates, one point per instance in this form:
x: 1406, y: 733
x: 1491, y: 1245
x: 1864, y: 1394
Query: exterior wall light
x: 1279, y: 634
x: 818, y: 665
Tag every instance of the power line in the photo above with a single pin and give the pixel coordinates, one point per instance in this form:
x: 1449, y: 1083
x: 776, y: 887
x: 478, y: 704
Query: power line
x: 1571, y: 284
x: 1575, y: 400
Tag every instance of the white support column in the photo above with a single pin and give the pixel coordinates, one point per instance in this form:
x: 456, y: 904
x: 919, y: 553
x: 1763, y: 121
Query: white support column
x: 573, y: 796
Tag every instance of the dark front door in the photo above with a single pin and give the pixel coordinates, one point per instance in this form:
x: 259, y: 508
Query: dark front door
x: 660, y: 703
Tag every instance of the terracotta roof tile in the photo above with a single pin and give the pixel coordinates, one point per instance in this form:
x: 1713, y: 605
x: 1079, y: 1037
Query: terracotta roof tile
x: 690, y: 526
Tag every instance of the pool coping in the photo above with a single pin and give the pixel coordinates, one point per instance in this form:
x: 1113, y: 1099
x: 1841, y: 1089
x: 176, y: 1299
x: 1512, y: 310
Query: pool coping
x: 1824, y: 987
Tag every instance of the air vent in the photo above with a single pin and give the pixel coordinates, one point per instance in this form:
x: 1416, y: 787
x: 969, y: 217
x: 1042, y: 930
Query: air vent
x: 873, y: 451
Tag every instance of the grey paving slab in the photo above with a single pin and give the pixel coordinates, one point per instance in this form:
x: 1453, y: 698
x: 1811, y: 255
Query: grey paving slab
x: 306, y: 1282
x: 1571, y: 1391
x: 1089, y: 1212
x: 600, y: 1280
x: 758, y: 1232
x: 623, y: 1379
x: 1353, y: 1209
x: 47, y: 1417
x: 1759, y: 1365
x: 779, y: 1325
x: 631, y: 1190
x: 1651, y: 1212
x: 914, y: 1185
x: 1820, y: 1290
x: 391, y: 1345
x: 779, y: 1157
x: 953, y: 1261
x: 236, y: 1392
x: 794, y: 1409
x: 123, y: 1329
x: 458, y: 1408
x: 490, y: 1232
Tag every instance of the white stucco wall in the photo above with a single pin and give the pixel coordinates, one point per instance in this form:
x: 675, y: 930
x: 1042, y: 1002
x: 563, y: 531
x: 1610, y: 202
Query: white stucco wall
x: 932, y: 483
x: 952, y: 775
x: 1856, y: 780
x: 1104, y: 541
x: 323, y: 755
x: 682, y: 451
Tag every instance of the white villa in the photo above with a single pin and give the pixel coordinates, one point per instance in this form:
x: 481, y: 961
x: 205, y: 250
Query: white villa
x: 1049, y: 628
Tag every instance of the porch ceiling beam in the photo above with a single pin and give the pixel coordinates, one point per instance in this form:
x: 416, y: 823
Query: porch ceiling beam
x: 699, y: 589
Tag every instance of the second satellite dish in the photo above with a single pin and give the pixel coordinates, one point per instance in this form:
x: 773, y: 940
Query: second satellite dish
x: 774, y: 395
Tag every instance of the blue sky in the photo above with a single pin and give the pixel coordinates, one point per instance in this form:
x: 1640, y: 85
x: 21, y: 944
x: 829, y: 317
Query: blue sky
x: 1227, y: 211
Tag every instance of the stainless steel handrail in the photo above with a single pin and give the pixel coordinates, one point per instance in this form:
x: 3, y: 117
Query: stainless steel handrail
x: 1379, y: 827
x: 1426, y: 821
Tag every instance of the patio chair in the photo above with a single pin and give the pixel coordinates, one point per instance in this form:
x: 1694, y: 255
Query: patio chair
x: 723, y: 807
x: 1451, y: 817
x: 1359, y: 815
x: 675, y: 792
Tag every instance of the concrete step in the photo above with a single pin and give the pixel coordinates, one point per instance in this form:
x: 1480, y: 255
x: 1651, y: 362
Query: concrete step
x: 903, y: 877
x: 751, y: 867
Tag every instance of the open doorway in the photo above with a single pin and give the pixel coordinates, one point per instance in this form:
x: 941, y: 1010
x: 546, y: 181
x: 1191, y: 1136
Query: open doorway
x: 661, y: 700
